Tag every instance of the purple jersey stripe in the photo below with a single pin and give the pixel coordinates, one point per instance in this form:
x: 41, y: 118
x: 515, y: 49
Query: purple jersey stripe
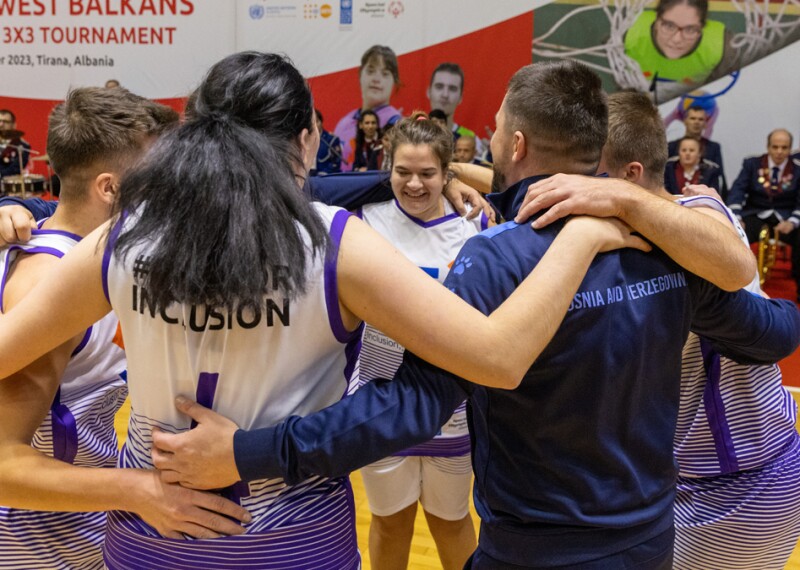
x: 43, y: 232
x: 84, y: 341
x: 65, y: 430
x: 352, y: 353
x: 206, y: 388
x: 327, y: 543
x: 39, y: 539
x: 743, y: 520
x: 3, y: 279
x: 32, y: 250
x: 708, y: 202
x: 331, y: 281
x: 430, y: 223
x: 715, y: 410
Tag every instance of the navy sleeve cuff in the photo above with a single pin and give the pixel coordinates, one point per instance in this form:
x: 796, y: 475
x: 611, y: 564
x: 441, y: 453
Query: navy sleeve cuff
x: 351, y: 190
x: 252, y: 451
x: 36, y: 206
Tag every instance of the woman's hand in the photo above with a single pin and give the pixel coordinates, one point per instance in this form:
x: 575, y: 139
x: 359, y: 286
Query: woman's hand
x: 458, y: 194
x: 175, y: 511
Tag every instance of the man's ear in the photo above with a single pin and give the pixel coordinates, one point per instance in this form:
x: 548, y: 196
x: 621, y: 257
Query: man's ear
x: 634, y: 172
x: 104, y: 187
x: 519, y: 146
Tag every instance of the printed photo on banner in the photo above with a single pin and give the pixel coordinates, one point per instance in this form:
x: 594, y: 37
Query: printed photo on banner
x: 668, y: 47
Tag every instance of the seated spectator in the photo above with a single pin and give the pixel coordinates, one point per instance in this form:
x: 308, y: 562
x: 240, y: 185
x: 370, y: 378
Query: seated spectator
x: 329, y: 155
x: 767, y: 192
x: 366, y: 148
x: 466, y: 151
x: 379, y: 77
x: 11, y: 146
x: 689, y: 168
x: 695, y: 119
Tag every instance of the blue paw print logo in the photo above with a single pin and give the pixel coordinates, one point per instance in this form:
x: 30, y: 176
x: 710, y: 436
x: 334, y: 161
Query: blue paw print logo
x: 462, y: 265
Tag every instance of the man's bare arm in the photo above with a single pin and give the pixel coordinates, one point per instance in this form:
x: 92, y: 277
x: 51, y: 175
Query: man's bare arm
x: 712, y: 251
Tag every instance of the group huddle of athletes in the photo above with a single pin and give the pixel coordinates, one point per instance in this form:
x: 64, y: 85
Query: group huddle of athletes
x: 590, y: 356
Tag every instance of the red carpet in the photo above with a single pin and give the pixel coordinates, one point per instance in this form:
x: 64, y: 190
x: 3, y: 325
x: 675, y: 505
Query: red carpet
x: 781, y: 285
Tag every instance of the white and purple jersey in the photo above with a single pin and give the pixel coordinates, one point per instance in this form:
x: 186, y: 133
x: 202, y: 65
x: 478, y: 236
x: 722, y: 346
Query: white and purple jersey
x: 257, y: 367
x: 738, y: 493
x: 79, y: 429
x: 432, y: 246
x: 732, y: 417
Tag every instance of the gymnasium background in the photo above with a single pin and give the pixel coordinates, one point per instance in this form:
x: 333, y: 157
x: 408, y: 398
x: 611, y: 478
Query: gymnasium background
x: 161, y: 48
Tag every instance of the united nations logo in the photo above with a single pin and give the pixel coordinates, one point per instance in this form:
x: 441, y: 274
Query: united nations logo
x: 347, y: 4
x: 256, y: 12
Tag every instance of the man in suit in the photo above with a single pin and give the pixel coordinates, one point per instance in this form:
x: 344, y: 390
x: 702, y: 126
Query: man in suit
x: 695, y: 121
x: 767, y: 191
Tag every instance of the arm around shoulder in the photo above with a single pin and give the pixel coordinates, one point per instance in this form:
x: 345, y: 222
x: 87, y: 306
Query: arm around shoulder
x: 713, y: 251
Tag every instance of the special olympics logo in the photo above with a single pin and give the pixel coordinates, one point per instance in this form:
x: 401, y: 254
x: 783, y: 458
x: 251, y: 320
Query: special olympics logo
x: 256, y: 12
x: 395, y: 8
